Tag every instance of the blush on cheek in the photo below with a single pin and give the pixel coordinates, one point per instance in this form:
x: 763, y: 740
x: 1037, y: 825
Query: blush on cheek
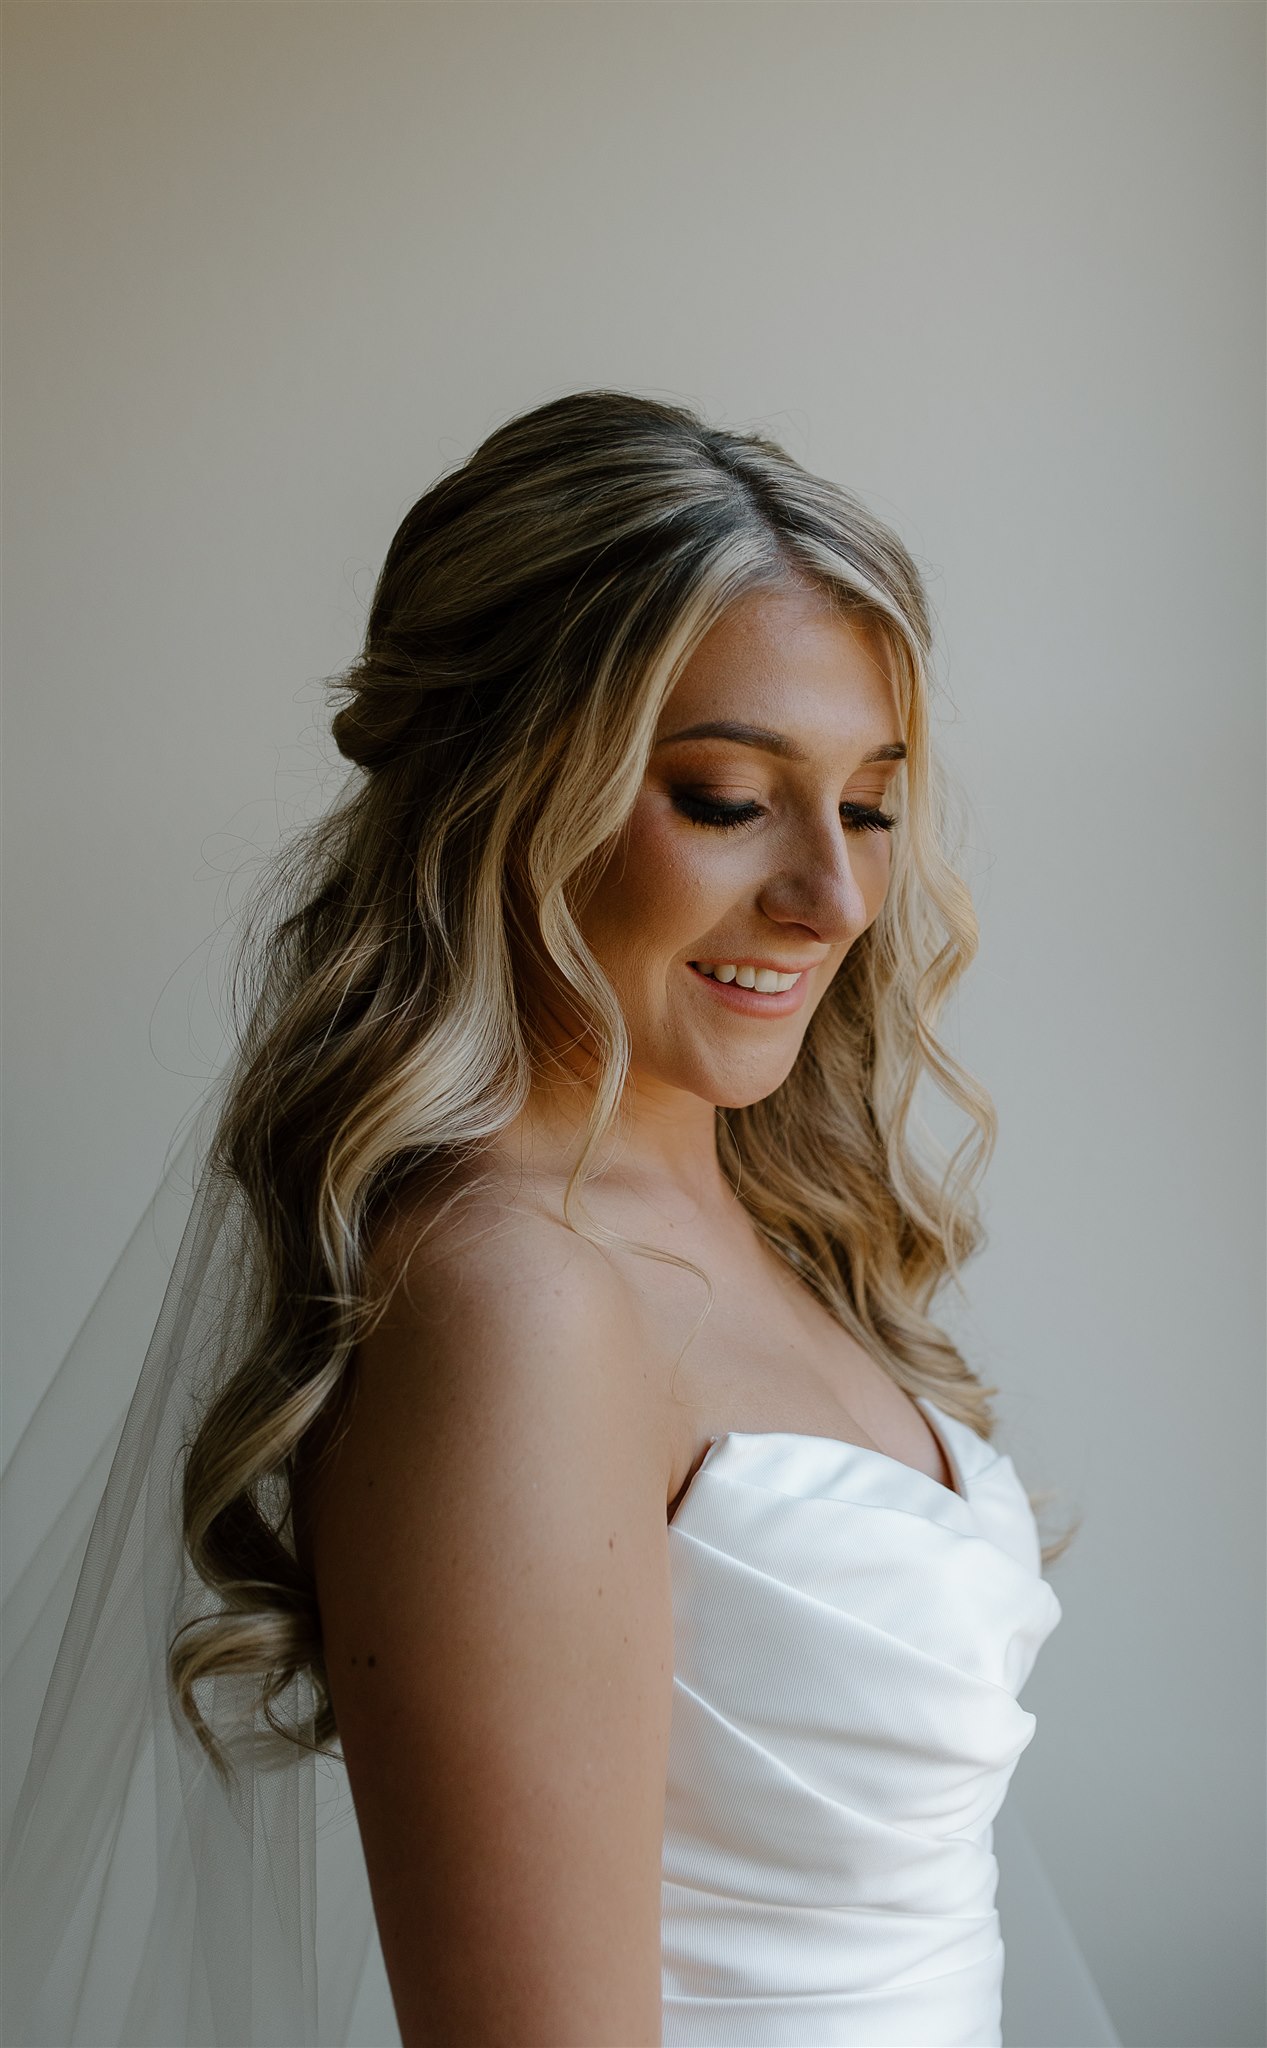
x: 664, y: 872
x: 647, y: 900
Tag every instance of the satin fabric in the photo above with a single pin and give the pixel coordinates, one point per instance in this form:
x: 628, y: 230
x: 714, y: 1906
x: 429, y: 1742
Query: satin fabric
x: 850, y: 1640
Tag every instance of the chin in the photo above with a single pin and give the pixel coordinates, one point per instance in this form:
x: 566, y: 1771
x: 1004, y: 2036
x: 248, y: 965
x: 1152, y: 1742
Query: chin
x: 744, y: 1099
x: 729, y: 1091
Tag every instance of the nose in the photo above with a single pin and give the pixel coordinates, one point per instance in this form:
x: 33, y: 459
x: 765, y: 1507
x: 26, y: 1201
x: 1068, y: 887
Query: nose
x: 820, y: 888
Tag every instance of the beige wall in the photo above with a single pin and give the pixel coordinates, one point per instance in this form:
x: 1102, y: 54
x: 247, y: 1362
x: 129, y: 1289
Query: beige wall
x: 997, y: 267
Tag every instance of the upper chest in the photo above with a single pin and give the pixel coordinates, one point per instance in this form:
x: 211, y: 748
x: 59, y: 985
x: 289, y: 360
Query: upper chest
x: 768, y: 1356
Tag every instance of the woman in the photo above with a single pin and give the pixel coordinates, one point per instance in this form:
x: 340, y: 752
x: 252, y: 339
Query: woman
x: 568, y: 1437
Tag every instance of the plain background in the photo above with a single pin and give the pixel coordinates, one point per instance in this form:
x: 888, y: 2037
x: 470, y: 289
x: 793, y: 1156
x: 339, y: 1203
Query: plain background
x: 997, y: 267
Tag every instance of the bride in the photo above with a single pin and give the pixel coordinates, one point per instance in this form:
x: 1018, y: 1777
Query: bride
x: 547, y: 1434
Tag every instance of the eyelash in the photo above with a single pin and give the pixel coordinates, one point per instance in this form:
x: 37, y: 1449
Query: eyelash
x: 725, y: 817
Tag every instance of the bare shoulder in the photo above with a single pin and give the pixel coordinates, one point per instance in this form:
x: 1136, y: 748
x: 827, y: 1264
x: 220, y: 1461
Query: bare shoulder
x: 517, y: 1317
x: 490, y: 1550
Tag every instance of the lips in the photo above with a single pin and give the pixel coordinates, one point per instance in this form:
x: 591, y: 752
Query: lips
x: 752, y: 1002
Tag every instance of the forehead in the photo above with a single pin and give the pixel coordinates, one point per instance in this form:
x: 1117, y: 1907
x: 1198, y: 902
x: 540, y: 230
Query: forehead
x: 788, y: 658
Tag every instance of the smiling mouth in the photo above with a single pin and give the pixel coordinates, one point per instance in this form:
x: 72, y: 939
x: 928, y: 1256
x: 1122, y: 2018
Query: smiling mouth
x: 763, y: 980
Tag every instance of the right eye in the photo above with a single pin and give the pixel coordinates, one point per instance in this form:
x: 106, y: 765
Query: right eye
x: 703, y: 811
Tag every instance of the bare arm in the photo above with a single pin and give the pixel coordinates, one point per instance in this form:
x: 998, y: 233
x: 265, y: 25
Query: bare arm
x: 491, y: 1554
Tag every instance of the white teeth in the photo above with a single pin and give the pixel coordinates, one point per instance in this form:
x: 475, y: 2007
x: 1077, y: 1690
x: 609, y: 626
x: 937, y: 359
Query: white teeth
x: 766, y: 980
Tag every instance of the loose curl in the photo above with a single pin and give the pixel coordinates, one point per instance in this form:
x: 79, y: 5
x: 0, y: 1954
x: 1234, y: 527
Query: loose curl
x: 535, y: 608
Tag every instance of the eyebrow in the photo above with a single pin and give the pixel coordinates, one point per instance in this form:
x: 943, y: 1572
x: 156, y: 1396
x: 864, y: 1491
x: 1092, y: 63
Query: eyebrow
x: 768, y: 741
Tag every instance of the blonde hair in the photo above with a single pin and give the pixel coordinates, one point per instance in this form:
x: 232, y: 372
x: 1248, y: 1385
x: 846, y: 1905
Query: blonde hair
x: 535, y: 608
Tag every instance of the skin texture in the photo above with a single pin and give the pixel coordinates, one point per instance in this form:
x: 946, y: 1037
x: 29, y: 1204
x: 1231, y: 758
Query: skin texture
x: 489, y: 1535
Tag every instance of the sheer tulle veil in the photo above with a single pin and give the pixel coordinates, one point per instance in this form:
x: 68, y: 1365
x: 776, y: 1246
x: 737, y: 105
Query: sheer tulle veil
x: 145, y: 1901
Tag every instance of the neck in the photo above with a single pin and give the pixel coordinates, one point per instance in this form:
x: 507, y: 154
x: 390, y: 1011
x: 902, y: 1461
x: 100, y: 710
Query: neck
x: 662, y: 1149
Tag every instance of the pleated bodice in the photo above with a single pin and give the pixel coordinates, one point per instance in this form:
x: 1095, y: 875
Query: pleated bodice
x: 850, y: 1641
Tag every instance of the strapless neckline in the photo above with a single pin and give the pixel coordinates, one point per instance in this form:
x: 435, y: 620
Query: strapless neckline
x: 941, y: 1424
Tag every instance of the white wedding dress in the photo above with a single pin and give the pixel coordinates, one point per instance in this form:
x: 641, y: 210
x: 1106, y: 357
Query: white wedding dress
x: 850, y: 1638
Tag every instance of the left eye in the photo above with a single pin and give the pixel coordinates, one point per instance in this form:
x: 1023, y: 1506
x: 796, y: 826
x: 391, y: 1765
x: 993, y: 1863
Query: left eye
x: 857, y: 817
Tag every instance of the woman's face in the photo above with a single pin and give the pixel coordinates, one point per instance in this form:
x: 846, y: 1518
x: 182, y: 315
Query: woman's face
x: 753, y: 853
